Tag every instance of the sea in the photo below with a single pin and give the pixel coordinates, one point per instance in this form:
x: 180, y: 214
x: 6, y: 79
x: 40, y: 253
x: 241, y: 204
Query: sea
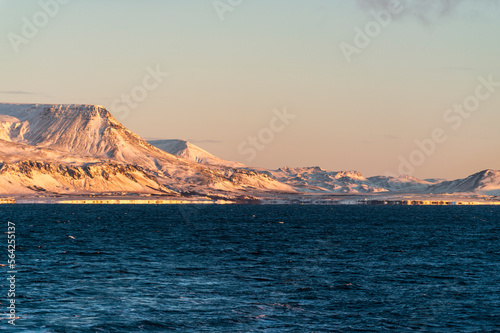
x: 249, y: 268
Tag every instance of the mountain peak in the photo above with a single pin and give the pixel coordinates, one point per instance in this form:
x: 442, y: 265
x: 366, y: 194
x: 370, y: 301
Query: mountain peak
x: 78, y: 129
x: 54, y: 145
x: 485, y: 182
x: 191, y: 152
x: 51, y: 146
x: 489, y: 173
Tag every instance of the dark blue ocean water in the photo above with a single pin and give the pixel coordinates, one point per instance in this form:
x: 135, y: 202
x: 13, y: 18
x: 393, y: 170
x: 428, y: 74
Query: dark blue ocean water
x: 239, y: 269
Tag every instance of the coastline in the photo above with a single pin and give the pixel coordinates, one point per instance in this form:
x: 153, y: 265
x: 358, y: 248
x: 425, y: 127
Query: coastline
x: 280, y: 199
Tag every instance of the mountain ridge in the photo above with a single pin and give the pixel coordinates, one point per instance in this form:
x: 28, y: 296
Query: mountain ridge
x: 78, y: 148
x: 77, y: 135
x: 190, y: 152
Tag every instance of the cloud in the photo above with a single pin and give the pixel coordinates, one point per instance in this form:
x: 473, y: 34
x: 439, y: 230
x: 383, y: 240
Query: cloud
x: 19, y: 92
x: 391, y: 137
x: 427, y: 11
x: 205, y: 141
x: 149, y: 138
x: 468, y: 69
x: 376, y: 139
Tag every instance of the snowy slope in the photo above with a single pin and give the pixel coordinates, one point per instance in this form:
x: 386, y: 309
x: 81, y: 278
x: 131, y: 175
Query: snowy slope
x: 190, y: 152
x: 79, y: 135
x: 315, y: 179
x: 84, y: 149
x: 486, y: 182
x: 81, y: 130
x: 28, y: 177
x: 402, y: 184
x: 318, y: 180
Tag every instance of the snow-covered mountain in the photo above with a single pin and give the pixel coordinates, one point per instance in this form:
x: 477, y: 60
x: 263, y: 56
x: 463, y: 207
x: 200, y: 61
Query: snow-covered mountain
x: 52, y: 147
x: 28, y: 177
x: 190, y: 152
x: 83, y: 149
x: 486, y: 182
x: 85, y: 131
x: 402, y: 184
x: 315, y: 179
x: 307, y: 179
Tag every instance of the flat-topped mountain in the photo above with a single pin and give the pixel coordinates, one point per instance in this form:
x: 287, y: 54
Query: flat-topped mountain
x: 42, y: 141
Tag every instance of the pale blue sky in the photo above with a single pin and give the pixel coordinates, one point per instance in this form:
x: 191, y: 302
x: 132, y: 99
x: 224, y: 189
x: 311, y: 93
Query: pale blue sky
x: 226, y: 77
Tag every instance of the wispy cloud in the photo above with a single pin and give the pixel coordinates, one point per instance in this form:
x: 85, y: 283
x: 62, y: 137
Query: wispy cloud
x: 19, y: 92
x: 391, y: 137
x: 427, y: 11
x: 205, y: 141
x: 150, y: 138
x: 373, y: 139
x: 458, y: 68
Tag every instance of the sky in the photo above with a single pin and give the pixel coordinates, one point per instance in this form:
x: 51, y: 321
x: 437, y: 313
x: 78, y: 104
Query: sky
x: 385, y: 88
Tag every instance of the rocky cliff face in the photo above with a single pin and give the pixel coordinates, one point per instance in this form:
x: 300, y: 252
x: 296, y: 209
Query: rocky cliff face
x: 29, y: 177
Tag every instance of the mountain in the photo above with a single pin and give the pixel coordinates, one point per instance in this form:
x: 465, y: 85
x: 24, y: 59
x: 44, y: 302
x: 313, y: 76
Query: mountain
x: 315, y: 179
x: 190, y: 152
x: 307, y: 179
x: 28, y: 177
x: 83, y: 148
x: 486, y: 182
x: 85, y: 131
x: 402, y: 184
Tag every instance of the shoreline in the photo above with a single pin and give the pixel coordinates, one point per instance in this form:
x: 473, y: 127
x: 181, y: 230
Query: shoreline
x: 310, y: 200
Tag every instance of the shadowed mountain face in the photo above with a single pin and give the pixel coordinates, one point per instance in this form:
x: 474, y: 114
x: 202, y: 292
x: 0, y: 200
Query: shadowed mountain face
x: 403, y: 184
x: 486, y: 182
x: 84, y: 149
